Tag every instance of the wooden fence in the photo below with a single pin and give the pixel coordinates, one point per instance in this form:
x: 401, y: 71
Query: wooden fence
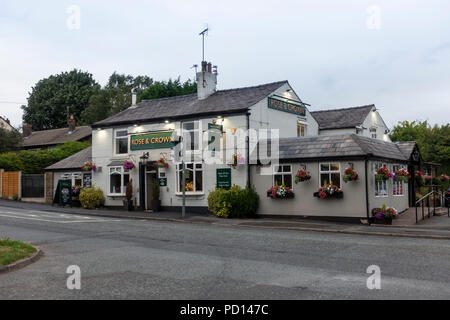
x: 10, y: 184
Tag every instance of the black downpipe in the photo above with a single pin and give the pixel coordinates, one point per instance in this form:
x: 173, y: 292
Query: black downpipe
x: 248, y: 150
x: 366, y: 161
x: 142, y: 186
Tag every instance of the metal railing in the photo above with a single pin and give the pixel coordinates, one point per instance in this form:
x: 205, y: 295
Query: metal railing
x: 444, y: 201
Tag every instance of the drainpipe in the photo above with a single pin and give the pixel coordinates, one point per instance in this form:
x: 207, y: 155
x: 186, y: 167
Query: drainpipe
x: 366, y: 161
x: 248, y: 149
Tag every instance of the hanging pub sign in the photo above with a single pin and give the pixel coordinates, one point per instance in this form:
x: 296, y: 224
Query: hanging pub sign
x: 214, y: 134
x: 224, y: 178
x: 87, y: 180
x: 287, y: 107
x: 153, y: 140
x: 63, y: 194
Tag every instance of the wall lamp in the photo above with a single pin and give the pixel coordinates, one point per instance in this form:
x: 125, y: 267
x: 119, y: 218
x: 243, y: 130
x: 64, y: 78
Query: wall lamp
x: 167, y: 121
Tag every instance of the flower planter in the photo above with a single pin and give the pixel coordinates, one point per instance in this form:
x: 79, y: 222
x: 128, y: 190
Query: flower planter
x: 385, y: 220
x: 334, y: 195
x: 287, y: 196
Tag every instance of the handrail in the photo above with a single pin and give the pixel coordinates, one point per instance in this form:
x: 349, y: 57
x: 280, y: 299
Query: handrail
x: 427, y: 197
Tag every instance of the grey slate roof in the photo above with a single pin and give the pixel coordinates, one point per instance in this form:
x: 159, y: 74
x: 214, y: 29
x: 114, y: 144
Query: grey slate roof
x: 342, y: 118
x: 406, y: 147
x: 75, y: 161
x: 335, y: 146
x: 222, y: 101
x: 55, y: 136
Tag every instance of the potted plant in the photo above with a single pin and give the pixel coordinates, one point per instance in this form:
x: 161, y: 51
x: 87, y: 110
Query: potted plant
x: 329, y: 191
x: 128, y: 165
x: 160, y: 163
x: 89, y: 166
x: 402, y: 175
x: 76, y: 190
x: 128, y: 202
x: 301, y: 176
x: 384, y: 215
x: 280, y: 192
x: 383, y: 174
x: 350, y: 175
x: 156, y: 202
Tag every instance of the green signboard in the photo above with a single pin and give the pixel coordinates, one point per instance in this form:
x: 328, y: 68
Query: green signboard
x: 152, y: 140
x: 224, y: 178
x: 287, y: 107
x: 215, y: 126
x: 162, y: 182
x: 63, y: 194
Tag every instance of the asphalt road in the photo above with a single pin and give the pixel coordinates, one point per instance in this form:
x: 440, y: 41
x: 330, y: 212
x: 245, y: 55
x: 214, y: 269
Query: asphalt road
x: 132, y: 259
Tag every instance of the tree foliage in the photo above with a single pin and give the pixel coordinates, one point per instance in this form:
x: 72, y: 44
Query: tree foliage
x: 9, y: 140
x: 53, y: 98
x: 34, y: 162
x: 433, y: 142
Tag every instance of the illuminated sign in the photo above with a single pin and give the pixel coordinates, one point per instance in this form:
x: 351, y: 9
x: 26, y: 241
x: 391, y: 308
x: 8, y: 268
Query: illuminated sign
x: 287, y: 107
x: 155, y: 140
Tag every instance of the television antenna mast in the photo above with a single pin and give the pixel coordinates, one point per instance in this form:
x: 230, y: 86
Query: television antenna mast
x: 203, y: 33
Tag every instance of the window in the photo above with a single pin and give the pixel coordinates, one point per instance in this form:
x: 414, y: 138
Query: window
x: 121, y: 142
x: 282, y: 174
x: 194, y: 177
x: 381, y: 189
x: 397, y: 186
x: 373, y: 132
x: 330, y: 173
x: 75, y: 177
x: 301, y: 129
x: 118, y: 180
x: 191, y: 135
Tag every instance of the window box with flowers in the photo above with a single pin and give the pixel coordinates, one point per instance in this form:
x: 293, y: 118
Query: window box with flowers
x: 350, y: 175
x: 301, y: 176
x: 128, y: 166
x: 89, y: 166
x: 280, y: 192
x: 329, y: 192
x: 383, y: 174
x: 383, y: 215
x: 402, y: 175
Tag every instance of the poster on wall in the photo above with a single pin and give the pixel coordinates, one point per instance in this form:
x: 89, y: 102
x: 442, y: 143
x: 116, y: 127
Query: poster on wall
x: 87, y: 180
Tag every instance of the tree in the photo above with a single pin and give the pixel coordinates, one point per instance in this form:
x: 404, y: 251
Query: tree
x: 52, y: 99
x: 116, y: 95
x: 9, y: 140
x: 433, y: 142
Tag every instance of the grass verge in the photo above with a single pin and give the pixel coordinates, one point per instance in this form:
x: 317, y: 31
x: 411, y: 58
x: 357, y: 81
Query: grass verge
x: 12, y: 251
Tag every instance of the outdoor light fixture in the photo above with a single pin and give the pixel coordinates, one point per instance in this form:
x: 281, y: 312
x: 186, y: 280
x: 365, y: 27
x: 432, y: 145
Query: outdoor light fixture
x: 167, y: 121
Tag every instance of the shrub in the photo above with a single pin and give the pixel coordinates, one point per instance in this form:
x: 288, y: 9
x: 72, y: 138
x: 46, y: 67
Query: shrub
x: 16, y: 197
x: 233, y: 203
x: 91, y: 198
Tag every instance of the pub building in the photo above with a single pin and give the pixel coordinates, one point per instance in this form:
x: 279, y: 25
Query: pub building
x: 323, y: 143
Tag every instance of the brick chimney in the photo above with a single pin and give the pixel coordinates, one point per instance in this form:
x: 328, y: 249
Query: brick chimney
x: 27, y: 129
x: 206, y: 81
x: 71, y: 124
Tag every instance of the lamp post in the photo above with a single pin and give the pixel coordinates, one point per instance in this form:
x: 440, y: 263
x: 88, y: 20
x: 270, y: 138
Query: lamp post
x: 178, y: 140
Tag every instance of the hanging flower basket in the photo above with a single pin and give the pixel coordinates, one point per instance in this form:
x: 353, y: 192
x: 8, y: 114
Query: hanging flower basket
x: 329, y: 192
x: 301, y: 176
x: 350, y: 175
x: 237, y: 160
x: 280, y: 192
x: 444, y: 178
x: 89, y: 166
x: 160, y: 163
x: 128, y: 165
x: 383, y: 174
x: 402, y: 175
x: 383, y: 215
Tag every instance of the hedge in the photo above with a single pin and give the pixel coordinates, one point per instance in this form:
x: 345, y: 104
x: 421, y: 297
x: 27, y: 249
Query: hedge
x: 233, y: 203
x: 35, y: 162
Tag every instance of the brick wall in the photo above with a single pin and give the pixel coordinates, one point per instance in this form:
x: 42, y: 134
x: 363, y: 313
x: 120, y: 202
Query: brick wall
x: 49, y: 187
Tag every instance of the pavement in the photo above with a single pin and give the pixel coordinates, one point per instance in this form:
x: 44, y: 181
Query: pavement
x: 155, y: 259
x: 435, y: 228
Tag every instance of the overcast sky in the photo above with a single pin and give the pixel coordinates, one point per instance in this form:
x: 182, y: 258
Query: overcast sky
x: 395, y: 54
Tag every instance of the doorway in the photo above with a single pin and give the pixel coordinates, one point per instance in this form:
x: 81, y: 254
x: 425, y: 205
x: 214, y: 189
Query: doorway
x: 151, y: 179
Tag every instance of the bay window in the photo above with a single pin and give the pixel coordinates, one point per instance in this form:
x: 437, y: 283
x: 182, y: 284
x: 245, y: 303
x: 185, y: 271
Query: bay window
x: 118, y: 180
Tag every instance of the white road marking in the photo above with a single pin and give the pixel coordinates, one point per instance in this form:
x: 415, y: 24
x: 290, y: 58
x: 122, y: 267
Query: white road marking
x: 75, y: 219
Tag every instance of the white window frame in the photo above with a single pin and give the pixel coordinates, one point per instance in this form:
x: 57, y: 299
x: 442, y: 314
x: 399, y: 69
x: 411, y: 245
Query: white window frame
x: 398, y: 184
x: 376, y: 166
x: 282, y: 174
x: 330, y: 172
x: 122, y: 137
x: 72, y: 177
x: 179, y: 168
x: 305, y: 124
x: 120, y: 171
x: 199, y: 136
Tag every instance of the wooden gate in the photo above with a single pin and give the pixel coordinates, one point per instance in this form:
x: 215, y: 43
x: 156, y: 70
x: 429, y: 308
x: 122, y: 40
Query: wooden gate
x: 10, y: 184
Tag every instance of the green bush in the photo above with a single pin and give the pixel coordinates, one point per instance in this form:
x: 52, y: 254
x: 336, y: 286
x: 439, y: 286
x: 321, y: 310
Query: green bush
x: 35, y: 162
x: 233, y: 203
x: 91, y: 198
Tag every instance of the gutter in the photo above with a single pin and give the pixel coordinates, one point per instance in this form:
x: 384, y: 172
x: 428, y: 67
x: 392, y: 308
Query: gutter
x: 247, y: 141
x: 366, y: 161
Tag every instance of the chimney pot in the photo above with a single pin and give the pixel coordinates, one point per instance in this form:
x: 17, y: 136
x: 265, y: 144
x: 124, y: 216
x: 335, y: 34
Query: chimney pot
x: 72, y: 124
